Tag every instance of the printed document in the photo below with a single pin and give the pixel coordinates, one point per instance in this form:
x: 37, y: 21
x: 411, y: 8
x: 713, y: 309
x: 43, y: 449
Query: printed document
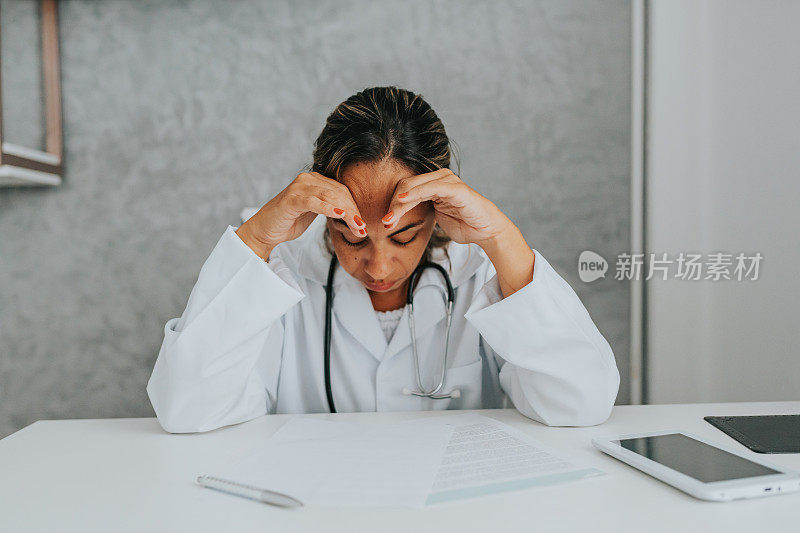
x: 408, y: 464
x: 485, y: 456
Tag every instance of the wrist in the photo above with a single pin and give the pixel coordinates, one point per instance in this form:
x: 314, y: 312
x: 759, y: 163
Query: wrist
x: 508, y: 236
x: 259, y: 247
x: 512, y: 258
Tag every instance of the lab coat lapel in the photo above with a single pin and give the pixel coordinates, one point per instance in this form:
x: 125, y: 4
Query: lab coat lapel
x: 430, y: 302
x: 352, y: 307
x: 429, y: 310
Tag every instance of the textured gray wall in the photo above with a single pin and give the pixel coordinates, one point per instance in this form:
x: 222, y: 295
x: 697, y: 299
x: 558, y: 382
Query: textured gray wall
x: 177, y: 114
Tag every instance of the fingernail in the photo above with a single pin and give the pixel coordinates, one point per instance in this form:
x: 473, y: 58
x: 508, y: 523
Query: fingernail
x: 358, y: 220
x: 402, y: 195
x: 388, y: 216
x: 363, y: 231
x: 338, y: 211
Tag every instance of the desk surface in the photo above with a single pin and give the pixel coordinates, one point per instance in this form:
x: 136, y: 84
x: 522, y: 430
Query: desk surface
x: 129, y: 475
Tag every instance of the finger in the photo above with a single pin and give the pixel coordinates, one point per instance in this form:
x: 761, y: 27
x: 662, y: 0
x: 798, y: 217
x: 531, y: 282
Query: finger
x: 404, y: 187
x: 436, y: 189
x: 408, y: 183
x: 351, y: 214
x: 336, y: 194
x: 351, y: 220
x: 317, y: 205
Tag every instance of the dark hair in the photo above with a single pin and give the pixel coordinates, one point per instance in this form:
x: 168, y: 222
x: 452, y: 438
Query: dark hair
x: 383, y: 123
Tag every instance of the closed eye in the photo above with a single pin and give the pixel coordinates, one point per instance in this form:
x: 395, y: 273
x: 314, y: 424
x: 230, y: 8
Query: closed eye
x: 362, y: 241
x: 343, y: 224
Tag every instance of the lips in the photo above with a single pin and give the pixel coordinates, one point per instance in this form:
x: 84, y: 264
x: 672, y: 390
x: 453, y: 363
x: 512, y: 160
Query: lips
x: 379, y: 286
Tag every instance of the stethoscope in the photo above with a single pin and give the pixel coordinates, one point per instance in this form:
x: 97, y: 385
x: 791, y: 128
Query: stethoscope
x: 449, y: 297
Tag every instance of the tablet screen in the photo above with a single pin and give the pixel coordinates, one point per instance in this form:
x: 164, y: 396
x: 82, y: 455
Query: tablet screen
x: 694, y: 458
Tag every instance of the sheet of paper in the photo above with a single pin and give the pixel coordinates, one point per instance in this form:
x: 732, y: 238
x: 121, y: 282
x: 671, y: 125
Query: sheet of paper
x: 344, y: 464
x: 435, y: 459
x: 485, y: 456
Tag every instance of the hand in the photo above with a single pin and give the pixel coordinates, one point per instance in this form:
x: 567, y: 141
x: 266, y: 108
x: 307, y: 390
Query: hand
x: 291, y: 211
x: 468, y: 217
x: 465, y: 215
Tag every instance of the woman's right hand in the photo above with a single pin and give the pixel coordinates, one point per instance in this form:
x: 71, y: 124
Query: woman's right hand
x: 291, y: 211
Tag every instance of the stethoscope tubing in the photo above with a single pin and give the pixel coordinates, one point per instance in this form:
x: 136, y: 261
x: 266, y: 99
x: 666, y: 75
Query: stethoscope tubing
x: 328, y: 306
x: 449, y: 302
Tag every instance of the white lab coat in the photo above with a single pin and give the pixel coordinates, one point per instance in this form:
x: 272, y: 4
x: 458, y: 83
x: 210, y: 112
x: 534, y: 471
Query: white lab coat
x: 250, y: 342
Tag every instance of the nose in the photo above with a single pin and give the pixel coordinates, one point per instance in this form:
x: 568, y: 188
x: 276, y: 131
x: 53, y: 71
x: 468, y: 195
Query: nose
x: 378, y: 267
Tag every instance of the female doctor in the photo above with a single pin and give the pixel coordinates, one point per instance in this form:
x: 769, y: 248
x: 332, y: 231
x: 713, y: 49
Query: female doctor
x: 253, y: 338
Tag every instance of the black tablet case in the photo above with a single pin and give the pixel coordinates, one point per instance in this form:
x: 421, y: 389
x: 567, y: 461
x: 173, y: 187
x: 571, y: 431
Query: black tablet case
x: 762, y: 434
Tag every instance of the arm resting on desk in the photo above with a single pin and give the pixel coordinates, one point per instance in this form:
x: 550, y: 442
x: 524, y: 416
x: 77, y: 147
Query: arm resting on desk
x: 219, y: 362
x: 555, y: 365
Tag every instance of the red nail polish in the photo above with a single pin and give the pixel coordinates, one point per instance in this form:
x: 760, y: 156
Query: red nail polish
x: 338, y: 211
x: 388, y: 216
x: 402, y: 195
x: 358, y: 220
x: 363, y: 232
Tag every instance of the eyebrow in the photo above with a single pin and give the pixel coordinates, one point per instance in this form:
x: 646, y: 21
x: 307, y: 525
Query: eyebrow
x: 401, y: 230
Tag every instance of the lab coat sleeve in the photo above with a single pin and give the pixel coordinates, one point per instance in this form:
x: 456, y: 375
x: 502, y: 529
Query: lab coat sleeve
x: 219, y: 362
x: 556, y: 367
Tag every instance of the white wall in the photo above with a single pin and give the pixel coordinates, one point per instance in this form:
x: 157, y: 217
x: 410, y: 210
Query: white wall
x: 723, y: 174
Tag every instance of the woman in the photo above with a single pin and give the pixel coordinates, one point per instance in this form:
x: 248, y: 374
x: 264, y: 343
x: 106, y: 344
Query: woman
x: 252, y: 338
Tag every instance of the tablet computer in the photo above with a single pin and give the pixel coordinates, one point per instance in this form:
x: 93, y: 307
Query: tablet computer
x: 762, y: 433
x: 700, y: 468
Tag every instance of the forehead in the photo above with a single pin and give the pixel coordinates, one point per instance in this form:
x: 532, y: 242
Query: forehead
x: 372, y: 185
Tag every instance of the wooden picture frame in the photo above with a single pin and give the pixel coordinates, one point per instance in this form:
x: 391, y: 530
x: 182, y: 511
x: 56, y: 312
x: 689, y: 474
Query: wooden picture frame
x: 22, y: 166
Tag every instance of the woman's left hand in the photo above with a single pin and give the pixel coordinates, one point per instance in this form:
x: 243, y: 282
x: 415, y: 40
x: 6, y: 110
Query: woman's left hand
x: 468, y: 217
x: 465, y: 215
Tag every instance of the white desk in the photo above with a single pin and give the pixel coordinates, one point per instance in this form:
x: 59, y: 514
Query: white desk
x: 129, y: 475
